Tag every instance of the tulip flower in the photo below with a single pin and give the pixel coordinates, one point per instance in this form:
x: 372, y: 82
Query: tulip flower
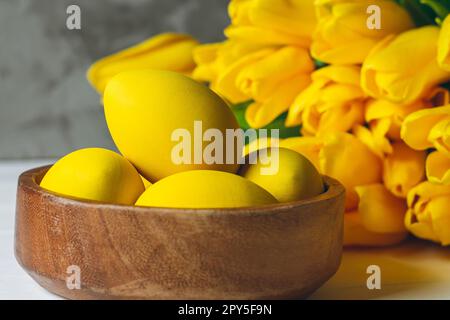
x: 348, y: 160
x: 428, y: 214
x: 272, y: 77
x: 355, y: 234
x: 334, y: 102
x: 374, y: 137
x: 390, y: 115
x: 214, y: 59
x: 391, y: 72
x: 342, y: 35
x: 403, y: 169
x: 272, y: 22
x: 380, y: 211
x: 438, y: 168
x: 444, y: 45
x: 341, y: 156
x: 428, y: 128
x: 168, y: 51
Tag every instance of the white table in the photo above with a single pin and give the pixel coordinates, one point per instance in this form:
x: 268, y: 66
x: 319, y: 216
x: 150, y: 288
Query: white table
x: 414, y: 270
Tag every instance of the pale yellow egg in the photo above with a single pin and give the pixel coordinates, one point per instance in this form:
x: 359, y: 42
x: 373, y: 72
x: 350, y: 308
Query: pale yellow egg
x: 95, y: 174
x: 147, y: 109
x: 204, y: 189
x: 291, y: 176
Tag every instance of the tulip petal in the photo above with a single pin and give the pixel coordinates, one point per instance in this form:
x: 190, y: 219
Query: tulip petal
x: 403, y: 169
x: 333, y: 102
x: 428, y: 216
x: 263, y: 36
x: 347, y: 159
x: 296, y: 17
x: 167, y: 51
x: 356, y: 235
x: 438, y: 168
x: 380, y: 210
x: 375, y: 137
x: 440, y: 136
x: 260, y: 79
x: 342, y: 35
x: 417, y: 126
x: 226, y: 83
x: 261, y: 113
x: 387, y: 73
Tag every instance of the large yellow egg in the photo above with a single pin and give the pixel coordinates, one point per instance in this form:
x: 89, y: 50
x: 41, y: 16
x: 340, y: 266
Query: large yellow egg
x: 144, y: 110
x: 204, y: 189
x: 292, y: 176
x: 95, y: 174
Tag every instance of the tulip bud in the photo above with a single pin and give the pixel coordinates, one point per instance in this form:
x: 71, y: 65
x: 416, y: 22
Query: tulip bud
x: 428, y: 128
x: 167, y: 51
x: 391, y: 72
x: 334, y: 102
x: 356, y: 235
x: 342, y: 35
x: 428, y: 216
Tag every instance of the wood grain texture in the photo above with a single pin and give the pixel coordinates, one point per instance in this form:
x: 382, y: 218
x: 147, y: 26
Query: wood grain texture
x: 271, y: 252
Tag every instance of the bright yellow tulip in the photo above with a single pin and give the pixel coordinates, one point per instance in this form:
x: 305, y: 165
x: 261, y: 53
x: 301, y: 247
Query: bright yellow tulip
x: 167, y: 51
x: 206, y: 59
x: 444, y: 45
x: 214, y: 59
x: 341, y: 156
x: 334, y: 102
x: 342, y: 35
x: 380, y: 211
x: 356, y: 235
x: 392, y: 72
x: 348, y: 160
x: 428, y: 128
x: 438, y: 168
x: 374, y: 137
x: 272, y: 77
x: 272, y: 22
x: 261, y: 113
x: 403, y: 169
x: 390, y: 115
x: 428, y: 216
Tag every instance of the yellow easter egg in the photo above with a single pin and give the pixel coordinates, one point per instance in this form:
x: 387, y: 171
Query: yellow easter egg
x: 204, y: 189
x: 286, y: 174
x: 150, y: 112
x: 95, y: 174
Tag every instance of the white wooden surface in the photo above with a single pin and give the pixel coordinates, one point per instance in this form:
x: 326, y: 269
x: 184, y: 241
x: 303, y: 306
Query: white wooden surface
x: 414, y: 270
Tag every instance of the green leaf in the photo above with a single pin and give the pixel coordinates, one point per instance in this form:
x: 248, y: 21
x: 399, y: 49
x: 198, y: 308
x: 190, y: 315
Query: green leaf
x: 422, y: 14
x: 446, y: 85
x: 440, y: 7
x: 239, y: 113
x: 319, y: 64
x: 279, y: 123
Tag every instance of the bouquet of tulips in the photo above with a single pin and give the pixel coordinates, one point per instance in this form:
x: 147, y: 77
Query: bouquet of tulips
x: 360, y: 87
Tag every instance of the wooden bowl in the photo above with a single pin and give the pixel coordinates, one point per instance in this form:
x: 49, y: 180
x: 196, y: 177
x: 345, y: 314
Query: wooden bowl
x: 123, y: 252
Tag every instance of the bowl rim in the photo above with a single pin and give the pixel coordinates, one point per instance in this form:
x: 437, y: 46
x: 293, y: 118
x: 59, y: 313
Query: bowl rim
x: 28, y: 179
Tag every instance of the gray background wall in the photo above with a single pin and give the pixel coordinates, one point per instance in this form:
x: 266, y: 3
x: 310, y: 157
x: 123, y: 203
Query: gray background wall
x: 47, y: 107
